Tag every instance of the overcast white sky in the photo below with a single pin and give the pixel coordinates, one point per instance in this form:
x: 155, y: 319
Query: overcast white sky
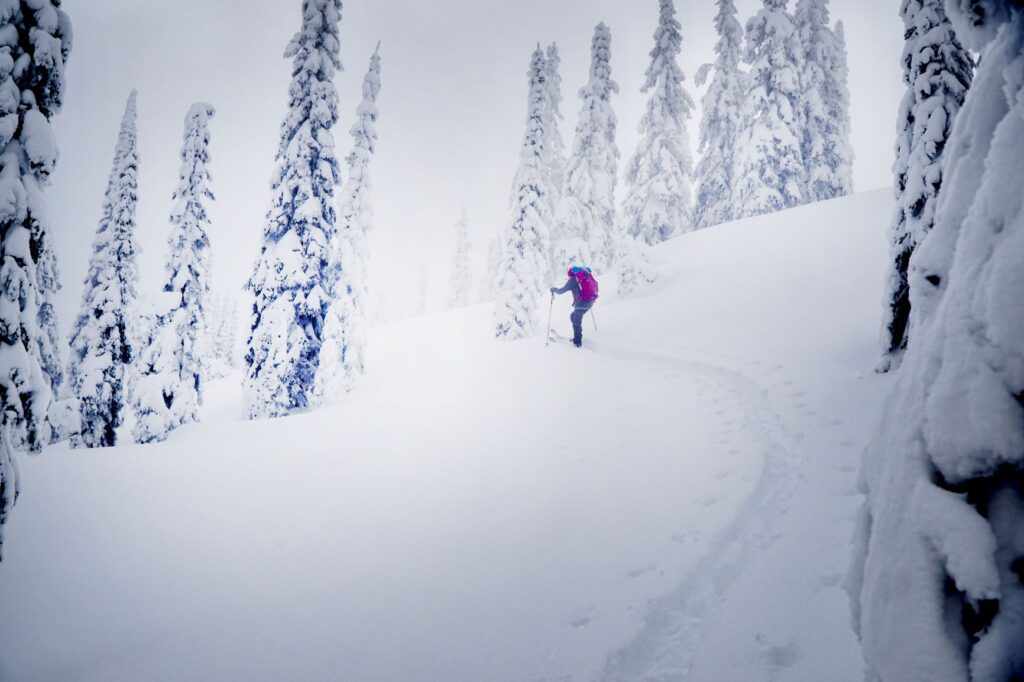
x: 452, y: 111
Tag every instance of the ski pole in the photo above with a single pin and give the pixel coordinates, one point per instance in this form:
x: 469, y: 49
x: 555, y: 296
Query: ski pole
x: 593, y: 319
x: 551, y: 308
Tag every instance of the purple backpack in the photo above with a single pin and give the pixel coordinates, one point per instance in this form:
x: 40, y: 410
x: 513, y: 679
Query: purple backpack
x: 588, y: 285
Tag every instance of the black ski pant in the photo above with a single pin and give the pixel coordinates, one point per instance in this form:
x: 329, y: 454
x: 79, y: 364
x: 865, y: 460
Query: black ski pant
x: 577, y: 324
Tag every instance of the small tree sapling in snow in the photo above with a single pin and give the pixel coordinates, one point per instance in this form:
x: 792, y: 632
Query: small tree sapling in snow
x: 719, y: 123
x: 104, y: 337
x: 586, y: 227
x: 524, y: 265
x: 343, y: 355
x: 769, y: 173
x: 173, y: 367
x: 937, y: 72
x: 659, y: 196
x: 36, y: 45
x: 936, y: 585
x: 462, y: 268
x: 291, y: 281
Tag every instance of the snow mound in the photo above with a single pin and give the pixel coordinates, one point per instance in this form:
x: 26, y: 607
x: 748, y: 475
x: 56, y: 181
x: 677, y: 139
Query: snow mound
x: 674, y: 499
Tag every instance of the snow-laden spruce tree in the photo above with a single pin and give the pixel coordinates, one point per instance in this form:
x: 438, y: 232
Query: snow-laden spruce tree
x: 936, y: 584
x: 585, y: 224
x: 719, y: 123
x: 522, y: 273
x: 837, y: 102
x: 769, y: 172
x: 173, y: 367
x: 937, y: 71
x: 291, y: 279
x: 822, y: 147
x: 36, y: 45
x: 103, y: 339
x: 554, y: 145
x: 343, y: 355
x: 462, y: 267
x: 659, y: 176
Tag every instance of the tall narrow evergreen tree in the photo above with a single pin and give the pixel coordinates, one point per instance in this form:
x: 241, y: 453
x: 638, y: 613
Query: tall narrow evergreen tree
x: 769, y: 173
x: 586, y: 216
x: 174, y: 366
x: 554, y: 145
x: 291, y: 280
x: 35, y: 49
x: 818, y: 59
x: 937, y: 71
x: 103, y: 339
x: 462, y: 268
x: 524, y: 261
x: 659, y: 176
x: 343, y: 355
x: 838, y: 148
x: 720, y: 121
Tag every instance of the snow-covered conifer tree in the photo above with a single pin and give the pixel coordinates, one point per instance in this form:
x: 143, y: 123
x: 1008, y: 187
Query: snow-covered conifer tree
x: 173, y: 366
x: 936, y: 583
x: 524, y: 264
x: 462, y: 268
x: 585, y: 224
x: 291, y: 280
x: 104, y: 336
x: 343, y: 355
x: 820, y: 86
x: 720, y: 120
x: 937, y: 71
x: 837, y: 101
x: 769, y: 174
x: 35, y: 47
x: 554, y: 145
x: 659, y: 200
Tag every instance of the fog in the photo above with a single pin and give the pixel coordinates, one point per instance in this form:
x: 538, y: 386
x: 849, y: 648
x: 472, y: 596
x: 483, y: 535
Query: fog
x: 452, y: 109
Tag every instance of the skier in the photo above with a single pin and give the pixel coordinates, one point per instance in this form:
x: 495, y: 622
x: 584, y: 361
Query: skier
x: 584, y: 293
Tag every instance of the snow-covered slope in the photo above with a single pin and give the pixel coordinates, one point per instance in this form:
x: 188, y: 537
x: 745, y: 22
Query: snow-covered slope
x: 678, y: 497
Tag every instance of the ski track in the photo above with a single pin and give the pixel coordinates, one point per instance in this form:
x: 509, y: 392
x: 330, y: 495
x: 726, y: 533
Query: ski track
x: 664, y: 649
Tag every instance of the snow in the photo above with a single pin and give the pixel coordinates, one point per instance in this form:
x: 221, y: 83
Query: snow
x: 676, y: 496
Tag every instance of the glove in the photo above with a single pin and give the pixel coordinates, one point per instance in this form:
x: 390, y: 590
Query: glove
x: 553, y: 291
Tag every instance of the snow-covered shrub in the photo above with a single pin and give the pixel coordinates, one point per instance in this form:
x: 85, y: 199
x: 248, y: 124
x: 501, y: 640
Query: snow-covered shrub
x: 291, y: 280
x: 585, y: 223
x: 173, y: 366
x: 462, y: 268
x: 719, y: 123
x: 343, y: 354
x: 658, y: 177
x: 104, y: 336
x: 936, y: 587
x: 937, y: 72
x: 35, y: 41
x: 524, y: 265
